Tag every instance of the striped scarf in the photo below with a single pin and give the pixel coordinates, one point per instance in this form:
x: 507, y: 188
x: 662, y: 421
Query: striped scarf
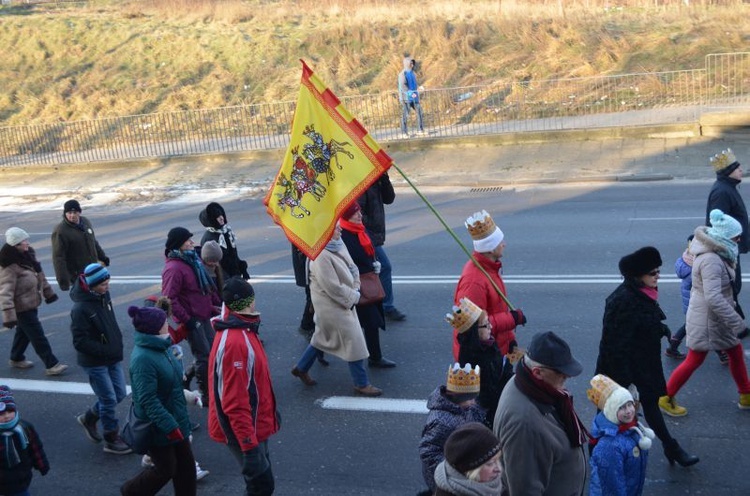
x: 205, y: 281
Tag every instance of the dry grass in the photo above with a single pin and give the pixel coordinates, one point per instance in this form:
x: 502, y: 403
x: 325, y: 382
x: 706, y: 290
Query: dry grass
x: 108, y: 57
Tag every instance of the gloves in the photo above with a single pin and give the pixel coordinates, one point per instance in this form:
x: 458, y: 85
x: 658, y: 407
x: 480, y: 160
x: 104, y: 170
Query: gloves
x: 175, y: 435
x: 665, y: 331
x: 518, y: 317
x: 376, y: 267
x: 105, y: 261
x: 243, y: 270
x: 254, y: 463
x: 10, y: 324
x: 52, y: 299
x: 193, y: 398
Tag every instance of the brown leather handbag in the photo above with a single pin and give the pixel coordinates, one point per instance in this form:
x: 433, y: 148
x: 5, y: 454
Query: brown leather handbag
x: 370, y: 289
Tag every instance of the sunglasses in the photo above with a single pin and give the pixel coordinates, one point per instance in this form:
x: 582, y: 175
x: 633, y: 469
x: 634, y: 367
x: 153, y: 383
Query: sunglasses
x: 654, y: 272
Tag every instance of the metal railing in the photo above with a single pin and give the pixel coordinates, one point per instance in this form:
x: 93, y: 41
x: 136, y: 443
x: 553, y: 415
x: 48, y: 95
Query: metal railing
x: 500, y: 107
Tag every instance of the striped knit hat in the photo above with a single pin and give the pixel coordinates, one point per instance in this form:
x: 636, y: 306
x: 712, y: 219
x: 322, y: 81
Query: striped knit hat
x: 95, y: 274
x: 6, y: 399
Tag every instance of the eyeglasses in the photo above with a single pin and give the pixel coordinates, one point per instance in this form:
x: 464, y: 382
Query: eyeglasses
x: 654, y: 272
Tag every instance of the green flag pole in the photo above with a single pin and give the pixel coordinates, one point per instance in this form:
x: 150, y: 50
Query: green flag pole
x: 453, y: 235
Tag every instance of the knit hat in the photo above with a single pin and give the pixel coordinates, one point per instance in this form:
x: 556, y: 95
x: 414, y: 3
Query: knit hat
x: 463, y: 383
x: 95, y: 274
x: 552, y: 351
x: 608, y: 396
x: 211, y: 252
x: 352, y: 209
x: 72, y: 206
x: 484, y: 233
x: 640, y: 262
x: 177, y: 237
x: 724, y: 163
x: 722, y: 225
x: 15, y: 236
x: 6, y: 399
x: 464, y: 315
x: 470, y: 446
x: 148, y: 320
x: 237, y: 294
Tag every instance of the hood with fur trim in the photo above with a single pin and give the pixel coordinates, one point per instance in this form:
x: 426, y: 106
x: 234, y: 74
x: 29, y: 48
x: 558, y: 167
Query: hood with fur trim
x: 209, y: 215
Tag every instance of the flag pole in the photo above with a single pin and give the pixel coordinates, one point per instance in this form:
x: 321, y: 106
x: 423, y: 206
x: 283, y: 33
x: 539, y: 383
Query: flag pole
x: 453, y: 235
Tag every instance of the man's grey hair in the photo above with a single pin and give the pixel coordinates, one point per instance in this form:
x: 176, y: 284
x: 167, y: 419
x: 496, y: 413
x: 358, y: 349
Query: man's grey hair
x: 532, y: 363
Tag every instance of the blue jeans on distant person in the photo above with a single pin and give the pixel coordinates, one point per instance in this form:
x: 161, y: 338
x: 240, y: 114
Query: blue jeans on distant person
x: 386, y: 272
x: 406, y: 107
x: 29, y: 330
x: 108, y: 383
x: 356, y: 368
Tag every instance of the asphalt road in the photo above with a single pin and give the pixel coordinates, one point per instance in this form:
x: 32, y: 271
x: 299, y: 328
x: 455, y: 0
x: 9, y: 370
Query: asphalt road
x: 564, y: 243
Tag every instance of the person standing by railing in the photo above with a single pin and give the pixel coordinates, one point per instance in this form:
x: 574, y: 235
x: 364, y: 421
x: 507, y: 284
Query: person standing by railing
x: 408, y: 95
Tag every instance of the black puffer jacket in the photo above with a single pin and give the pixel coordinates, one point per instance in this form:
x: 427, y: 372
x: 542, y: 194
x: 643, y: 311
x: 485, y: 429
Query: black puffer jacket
x: 231, y: 263
x: 630, y: 348
x: 725, y: 197
x: 96, y: 335
x: 373, y: 212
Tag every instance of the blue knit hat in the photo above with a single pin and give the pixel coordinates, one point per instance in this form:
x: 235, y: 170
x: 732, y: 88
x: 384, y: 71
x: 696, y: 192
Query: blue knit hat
x: 6, y: 400
x: 722, y: 225
x: 95, y: 274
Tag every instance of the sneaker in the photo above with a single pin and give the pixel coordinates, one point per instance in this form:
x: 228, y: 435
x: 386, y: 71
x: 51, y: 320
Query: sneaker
x: 57, y: 369
x: 199, y: 472
x: 21, y: 364
x: 403, y: 136
x: 674, y: 353
x: 744, y: 402
x: 395, y: 315
x: 723, y: 357
x: 114, y: 444
x: 88, y: 421
x: 670, y: 407
x: 146, y: 462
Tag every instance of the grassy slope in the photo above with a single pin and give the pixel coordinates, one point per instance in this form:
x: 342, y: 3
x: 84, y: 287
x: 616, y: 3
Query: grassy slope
x: 111, y: 57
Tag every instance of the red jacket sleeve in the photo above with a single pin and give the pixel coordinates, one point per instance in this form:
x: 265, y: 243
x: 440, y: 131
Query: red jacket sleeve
x: 235, y: 396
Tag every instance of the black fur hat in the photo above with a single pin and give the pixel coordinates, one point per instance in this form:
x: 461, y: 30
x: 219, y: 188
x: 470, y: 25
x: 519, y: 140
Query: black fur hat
x: 640, y: 262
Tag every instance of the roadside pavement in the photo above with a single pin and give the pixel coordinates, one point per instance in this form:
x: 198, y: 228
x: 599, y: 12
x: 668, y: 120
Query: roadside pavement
x: 558, y: 157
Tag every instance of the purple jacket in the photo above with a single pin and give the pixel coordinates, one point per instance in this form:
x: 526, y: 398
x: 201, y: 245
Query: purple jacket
x: 180, y: 285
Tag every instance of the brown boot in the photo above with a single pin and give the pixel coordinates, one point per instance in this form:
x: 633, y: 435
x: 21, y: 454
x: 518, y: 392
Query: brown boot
x: 114, y: 444
x: 368, y: 390
x: 304, y: 377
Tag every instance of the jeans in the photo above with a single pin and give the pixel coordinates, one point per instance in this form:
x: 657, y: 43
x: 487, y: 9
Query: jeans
x: 173, y: 462
x: 405, y: 108
x: 356, y: 368
x: 200, y: 336
x: 255, y: 484
x: 29, y: 330
x: 386, y: 271
x: 108, y: 383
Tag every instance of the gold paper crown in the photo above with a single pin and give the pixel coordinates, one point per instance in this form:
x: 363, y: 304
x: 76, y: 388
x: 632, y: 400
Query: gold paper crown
x: 480, y: 225
x: 723, y: 160
x: 601, y: 387
x: 463, y: 315
x: 463, y: 380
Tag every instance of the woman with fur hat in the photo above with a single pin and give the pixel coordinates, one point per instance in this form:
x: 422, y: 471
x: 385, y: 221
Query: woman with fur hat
x: 712, y: 320
x: 630, y: 346
x: 472, y: 463
x: 620, y: 442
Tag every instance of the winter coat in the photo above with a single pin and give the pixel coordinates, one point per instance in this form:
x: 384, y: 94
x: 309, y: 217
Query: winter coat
x: 242, y: 404
x: 474, y: 285
x: 22, y: 283
x: 536, y: 450
x: 712, y: 323
x: 17, y: 478
x: 96, y: 335
x: 299, y: 264
x: 630, y: 346
x: 495, y: 371
x: 224, y: 235
x: 73, y: 248
x: 156, y: 380
x: 334, y: 289
x: 370, y: 316
x: 725, y: 196
x: 372, y: 202
x: 444, y: 417
x: 180, y: 284
x: 618, y: 465
x: 684, y: 272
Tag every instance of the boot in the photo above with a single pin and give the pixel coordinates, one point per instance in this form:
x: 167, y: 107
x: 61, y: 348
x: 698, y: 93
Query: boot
x: 88, y: 420
x: 114, y: 444
x: 744, y: 402
x: 674, y: 453
x: 304, y: 377
x: 669, y: 406
x: 673, y: 351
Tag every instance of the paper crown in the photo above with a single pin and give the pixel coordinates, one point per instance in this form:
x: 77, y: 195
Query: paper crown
x: 463, y: 380
x: 723, y: 160
x: 463, y: 315
x: 480, y: 225
x: 601, y: 388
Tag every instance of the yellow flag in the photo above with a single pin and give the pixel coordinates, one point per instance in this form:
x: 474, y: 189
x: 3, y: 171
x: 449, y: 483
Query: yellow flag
x: 330, y: 162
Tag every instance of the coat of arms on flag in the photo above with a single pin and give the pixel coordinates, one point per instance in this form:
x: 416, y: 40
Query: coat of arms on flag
x: 331, y: 160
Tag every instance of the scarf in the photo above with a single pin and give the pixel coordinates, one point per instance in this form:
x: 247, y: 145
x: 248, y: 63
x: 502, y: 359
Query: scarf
x: 226, y: 233
x: 728, y: 249
x: 652, y: 293
x: 453, y: 481
x: 560, y: 400
x: 205, y: 281
x: 359, y: 230
x: 335, y: 245
x: 8, y: 431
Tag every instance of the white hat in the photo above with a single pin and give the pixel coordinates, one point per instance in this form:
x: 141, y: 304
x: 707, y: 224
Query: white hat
x: 15, y: 235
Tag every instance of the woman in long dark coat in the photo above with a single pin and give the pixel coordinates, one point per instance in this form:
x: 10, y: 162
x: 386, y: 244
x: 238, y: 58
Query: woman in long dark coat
x: 630, y: 348
x: 371, y: 317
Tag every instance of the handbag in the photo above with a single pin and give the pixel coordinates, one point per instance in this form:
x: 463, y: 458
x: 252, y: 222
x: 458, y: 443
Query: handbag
x: 370, y: 289
x: 137, y: 433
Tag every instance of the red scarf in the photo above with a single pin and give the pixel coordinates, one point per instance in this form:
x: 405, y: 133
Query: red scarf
x: 359, y: 230
x: 652, y: 293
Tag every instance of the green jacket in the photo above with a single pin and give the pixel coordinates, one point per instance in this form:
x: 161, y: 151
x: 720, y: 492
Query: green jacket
x: 156, y: 380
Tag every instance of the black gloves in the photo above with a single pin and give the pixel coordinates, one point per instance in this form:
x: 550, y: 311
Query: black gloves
x: 518, y: 317
x: 10, y: 324
x: 51, y: 299
x: 243, y: 270
x: 254, y: 463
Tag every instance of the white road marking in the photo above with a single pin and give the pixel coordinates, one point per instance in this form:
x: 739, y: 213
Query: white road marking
x: 666, y: 218
x: 49, y: 386
x: 390, y: 405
